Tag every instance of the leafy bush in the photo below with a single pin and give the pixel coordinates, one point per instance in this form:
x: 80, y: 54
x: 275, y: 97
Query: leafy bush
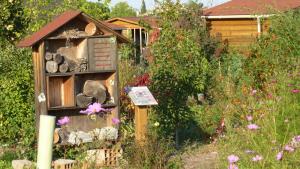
x: 16, y: 97
x: 181, y: 65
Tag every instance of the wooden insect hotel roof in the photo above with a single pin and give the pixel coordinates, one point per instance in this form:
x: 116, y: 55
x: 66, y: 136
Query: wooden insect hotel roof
x: 60, y: 21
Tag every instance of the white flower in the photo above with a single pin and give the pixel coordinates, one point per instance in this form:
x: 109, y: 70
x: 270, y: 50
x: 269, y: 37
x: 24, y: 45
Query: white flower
x: 156, y: 124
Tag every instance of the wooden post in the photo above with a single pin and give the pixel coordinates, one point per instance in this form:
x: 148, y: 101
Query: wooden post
x: 141, y: 118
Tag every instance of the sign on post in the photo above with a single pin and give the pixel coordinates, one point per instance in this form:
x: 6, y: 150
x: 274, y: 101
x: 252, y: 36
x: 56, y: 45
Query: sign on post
x: 142, y: 99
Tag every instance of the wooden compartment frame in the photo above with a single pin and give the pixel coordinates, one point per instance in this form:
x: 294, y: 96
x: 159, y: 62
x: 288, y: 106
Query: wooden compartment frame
x: 60, y: 91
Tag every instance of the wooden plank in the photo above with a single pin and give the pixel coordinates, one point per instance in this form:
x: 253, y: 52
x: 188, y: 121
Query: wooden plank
x: 234, y: 28
x: 232, y: 22
x: 102, y: 50
x: 234, y: 33
x: 68, y: 87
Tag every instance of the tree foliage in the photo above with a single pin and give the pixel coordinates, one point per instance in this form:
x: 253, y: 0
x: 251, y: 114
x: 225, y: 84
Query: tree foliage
x: 12, y: 20
x: 122, y: 9
x: 181, y: 63
x: 143, y: 7
x: 41, y: 12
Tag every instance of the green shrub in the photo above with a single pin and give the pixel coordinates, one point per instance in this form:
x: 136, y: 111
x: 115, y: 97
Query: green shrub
x: 16, y: 97
x: 181, y: 65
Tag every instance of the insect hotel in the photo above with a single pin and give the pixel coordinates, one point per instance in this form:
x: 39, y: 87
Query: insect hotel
x: 75, y: 65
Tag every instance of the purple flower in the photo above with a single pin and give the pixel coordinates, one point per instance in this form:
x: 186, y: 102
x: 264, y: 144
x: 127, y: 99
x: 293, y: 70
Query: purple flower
x: 257, y: 158
x: 249, y: 117
x: 93, y: 108
x: 253, y: 127
x: 295, y: 91
x: 127, y: 89
x: 115, y: 121
x: 63, y: 121
x: 289, y: 148
x: 233, y: 166
x: 232, y: 159
x: 279, y: 156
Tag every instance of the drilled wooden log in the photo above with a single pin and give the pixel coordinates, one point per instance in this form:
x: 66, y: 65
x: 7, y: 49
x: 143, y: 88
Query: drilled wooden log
x: 63, y: 135
x: 72, y: 64
x: 83, y: 100
x: 63, y: 68
x: 58, y: 58
x: 51, y: 66
x: 91, y: 29
x: 56, y: 135
x: 96, y: 89
x: 48, y: 56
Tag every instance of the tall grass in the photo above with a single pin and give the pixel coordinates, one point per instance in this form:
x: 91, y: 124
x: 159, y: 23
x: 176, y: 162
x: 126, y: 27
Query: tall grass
x: 266, y: 87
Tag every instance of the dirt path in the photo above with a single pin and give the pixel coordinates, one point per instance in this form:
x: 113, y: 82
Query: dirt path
x: 203, y: 157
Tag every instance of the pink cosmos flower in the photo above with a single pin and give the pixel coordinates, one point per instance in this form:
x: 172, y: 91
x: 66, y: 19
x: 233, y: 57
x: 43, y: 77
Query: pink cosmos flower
x: 115, y: 121
x: 290, y: 85
x: 253, y: 92
x: 93, y: 108
x: 233, y: 166
x: 257, y: 158
x: 289, y: 148
x: 296, y: 139
x: 232, y: 159
x: 270, y: 96
x: 249, y: 117
x: 63, y: 121
x: 279, y: 156
x: 253, y: 127
x: 295, y: 91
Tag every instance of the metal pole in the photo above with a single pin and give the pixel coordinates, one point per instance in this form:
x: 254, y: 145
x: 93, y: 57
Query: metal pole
x: 141, y: 44
x: 134, y: 42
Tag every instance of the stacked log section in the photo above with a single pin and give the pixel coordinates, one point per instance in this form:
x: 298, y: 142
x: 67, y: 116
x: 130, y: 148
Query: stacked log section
x: 96, y: 89
x: 83, y: 100
x: 63, y: 68
x: 51, y: 66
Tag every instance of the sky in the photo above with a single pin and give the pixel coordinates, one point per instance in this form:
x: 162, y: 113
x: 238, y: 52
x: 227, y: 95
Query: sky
x: 136, y: 4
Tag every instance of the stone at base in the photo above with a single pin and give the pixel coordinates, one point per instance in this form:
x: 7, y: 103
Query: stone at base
x: 22, y: 164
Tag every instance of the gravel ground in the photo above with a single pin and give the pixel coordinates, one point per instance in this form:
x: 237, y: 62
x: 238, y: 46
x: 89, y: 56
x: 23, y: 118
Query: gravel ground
x: 203, y: 157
